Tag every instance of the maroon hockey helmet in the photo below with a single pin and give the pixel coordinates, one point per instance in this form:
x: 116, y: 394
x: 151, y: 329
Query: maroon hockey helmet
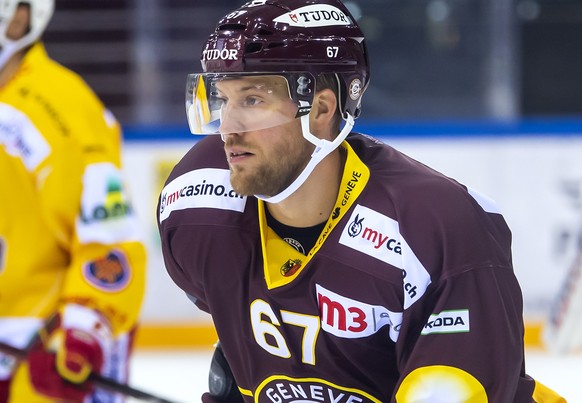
x: 295, y: 39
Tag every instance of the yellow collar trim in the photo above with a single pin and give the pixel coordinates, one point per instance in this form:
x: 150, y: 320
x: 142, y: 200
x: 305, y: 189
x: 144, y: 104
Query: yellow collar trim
x: 283, y: 263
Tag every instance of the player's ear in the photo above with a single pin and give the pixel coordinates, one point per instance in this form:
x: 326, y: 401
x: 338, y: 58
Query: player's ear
x: 321, y: 117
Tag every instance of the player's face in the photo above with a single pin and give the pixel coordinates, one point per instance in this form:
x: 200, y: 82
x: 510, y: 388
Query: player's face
x: 265, y: 161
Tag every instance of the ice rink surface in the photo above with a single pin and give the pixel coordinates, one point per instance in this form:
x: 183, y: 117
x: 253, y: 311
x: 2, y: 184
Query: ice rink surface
x: 181, y: 376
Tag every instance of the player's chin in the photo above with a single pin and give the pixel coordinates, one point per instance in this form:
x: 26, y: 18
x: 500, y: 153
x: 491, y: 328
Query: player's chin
x: 241, y: 184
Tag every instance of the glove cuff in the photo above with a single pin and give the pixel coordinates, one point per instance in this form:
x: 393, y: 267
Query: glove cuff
x: 73, y: 365
x: 78, y: 317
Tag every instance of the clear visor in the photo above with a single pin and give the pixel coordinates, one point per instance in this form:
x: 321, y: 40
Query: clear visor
x: 234, y: 103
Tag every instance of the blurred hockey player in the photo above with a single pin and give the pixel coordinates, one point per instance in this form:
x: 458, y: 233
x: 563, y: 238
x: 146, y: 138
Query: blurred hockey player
x: 69, y: 241
x: 335, y: 268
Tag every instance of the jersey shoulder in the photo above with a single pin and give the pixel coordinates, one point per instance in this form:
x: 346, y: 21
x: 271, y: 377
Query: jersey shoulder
x: 58, y: 100
x: 198, y: 190
x: 445, y: 223
x: 207, y: 152
x: 410, y: 184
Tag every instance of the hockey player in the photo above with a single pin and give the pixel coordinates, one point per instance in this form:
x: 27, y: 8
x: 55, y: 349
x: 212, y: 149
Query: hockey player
x: 335, y: 268
x: 68, y: 237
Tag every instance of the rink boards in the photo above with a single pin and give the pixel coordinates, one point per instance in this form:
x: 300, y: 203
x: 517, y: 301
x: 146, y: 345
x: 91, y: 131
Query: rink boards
x: 533, y: 169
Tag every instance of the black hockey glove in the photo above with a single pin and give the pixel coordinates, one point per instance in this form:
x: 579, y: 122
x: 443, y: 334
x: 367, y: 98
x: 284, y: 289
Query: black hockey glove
x: 221, y: 383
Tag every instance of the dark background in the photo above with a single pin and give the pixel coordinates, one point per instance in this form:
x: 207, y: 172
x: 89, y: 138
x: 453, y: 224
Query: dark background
x: 430, y: 59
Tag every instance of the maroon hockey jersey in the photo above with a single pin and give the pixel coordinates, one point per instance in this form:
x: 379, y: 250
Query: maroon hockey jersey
x: 408, y: 294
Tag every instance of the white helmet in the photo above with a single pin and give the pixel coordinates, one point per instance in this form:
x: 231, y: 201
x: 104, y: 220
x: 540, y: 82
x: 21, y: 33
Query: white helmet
x: 41, y: 12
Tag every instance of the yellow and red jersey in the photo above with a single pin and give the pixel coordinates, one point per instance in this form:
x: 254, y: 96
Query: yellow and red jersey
x: 68, y: 231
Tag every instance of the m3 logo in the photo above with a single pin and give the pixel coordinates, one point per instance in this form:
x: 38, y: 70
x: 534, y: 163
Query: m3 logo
x: 348, y: 318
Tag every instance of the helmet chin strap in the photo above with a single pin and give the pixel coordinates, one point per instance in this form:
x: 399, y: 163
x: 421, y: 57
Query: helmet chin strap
x: 7, y: 50
x: 9, y: 47
x: 322, y: 149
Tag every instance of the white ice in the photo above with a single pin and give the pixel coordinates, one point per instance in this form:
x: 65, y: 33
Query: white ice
x: 181, y: 376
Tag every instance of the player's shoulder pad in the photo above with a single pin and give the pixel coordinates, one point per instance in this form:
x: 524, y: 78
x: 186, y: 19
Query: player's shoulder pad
x: 208, y: 152
x: 201, y: 180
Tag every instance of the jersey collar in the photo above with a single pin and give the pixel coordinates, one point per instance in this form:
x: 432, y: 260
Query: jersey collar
x: 279, y: 257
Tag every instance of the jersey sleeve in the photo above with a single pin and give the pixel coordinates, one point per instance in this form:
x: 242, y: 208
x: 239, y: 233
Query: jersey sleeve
x: 198, y: 228
x: 181, y: 243
x: 90, y: 207
x: 467, y: 340
x: 464, y: 337
x: 193, y: 287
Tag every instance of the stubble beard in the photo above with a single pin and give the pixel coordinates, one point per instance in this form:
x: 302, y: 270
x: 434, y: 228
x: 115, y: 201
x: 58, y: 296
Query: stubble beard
x: 270, y: 177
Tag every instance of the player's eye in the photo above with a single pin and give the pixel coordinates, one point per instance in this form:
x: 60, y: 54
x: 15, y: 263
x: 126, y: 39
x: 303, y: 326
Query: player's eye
x: 252, y: 101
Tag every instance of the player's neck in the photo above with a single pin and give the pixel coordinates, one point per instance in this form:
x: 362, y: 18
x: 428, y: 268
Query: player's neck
x: 10, y: 68
x: 313, y: 202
